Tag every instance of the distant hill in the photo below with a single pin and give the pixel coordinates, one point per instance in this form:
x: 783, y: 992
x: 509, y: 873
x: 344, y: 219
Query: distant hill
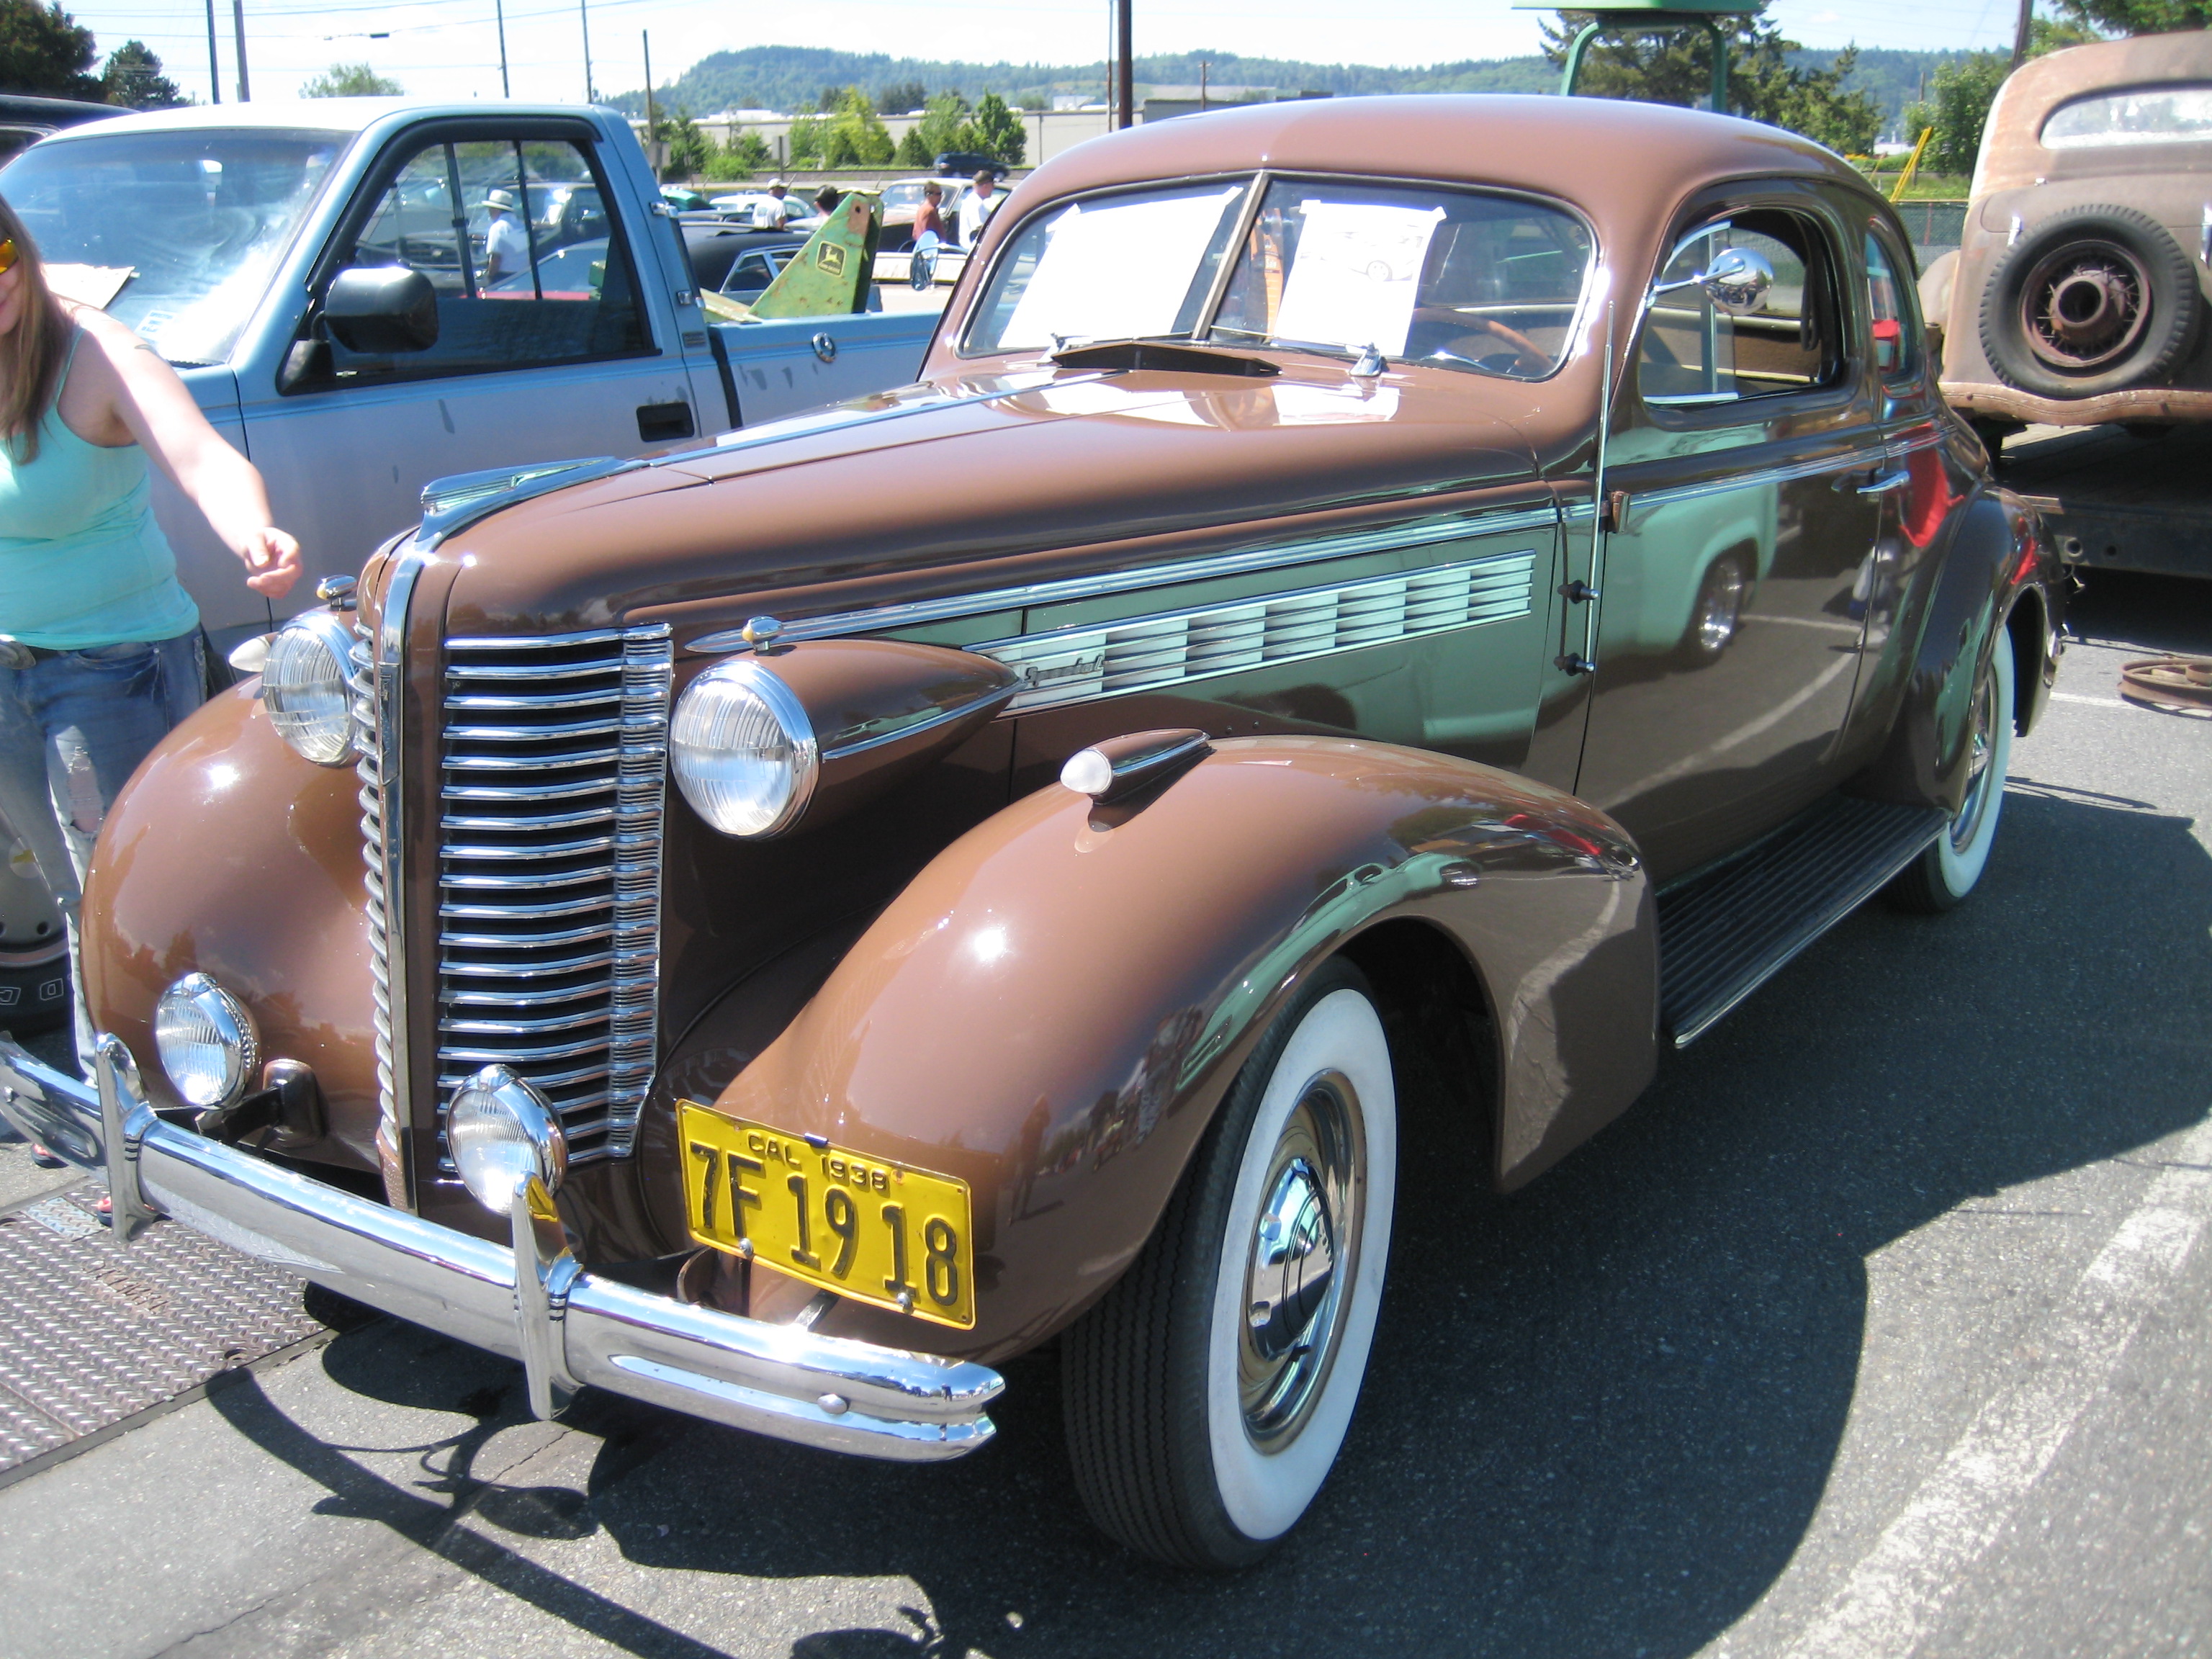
x: 794, y: 77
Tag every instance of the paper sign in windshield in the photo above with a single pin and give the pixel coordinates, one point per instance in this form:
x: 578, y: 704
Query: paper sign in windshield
x: 1116, y: 272
x: 1357, y: 269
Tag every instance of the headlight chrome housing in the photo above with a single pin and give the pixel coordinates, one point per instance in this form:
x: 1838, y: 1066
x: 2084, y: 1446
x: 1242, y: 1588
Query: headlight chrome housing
x: 742, y: 750
x: 307, y: 687
x: 207, y: 1042
x: 502, y: 1132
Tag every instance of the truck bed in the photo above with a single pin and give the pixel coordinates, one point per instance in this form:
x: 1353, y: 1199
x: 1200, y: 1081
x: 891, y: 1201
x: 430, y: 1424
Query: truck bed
x: 2118, y: 501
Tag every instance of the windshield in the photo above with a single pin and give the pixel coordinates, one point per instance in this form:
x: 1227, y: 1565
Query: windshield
x: 199, y: 219
x: 1459, y: 279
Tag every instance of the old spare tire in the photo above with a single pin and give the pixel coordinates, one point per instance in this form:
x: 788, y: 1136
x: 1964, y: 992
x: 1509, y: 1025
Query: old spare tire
x: 2092, y: 300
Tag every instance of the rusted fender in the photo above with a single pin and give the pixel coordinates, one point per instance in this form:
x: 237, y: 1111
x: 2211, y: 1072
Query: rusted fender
x: 1999, y: 588
x: 1054, y: 1007
x: 228, y: 853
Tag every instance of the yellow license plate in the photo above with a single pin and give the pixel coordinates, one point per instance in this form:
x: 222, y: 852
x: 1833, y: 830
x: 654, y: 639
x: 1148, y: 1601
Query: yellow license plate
x: 865, y: 1227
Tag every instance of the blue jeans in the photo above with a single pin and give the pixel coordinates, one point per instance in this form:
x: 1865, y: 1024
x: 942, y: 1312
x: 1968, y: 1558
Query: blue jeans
x: 73, y: 728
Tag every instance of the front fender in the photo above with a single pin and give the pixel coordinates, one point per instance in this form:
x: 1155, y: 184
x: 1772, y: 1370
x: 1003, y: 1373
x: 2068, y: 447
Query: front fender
x: 228, y: 853
x: 1053, y: 1009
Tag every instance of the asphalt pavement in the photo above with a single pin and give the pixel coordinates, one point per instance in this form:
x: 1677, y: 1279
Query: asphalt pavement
x: 1879, y: 1327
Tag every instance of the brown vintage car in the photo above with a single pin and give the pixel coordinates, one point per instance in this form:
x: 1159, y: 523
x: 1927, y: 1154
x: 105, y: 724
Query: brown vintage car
x: 1467, y: 584
x: 2078, y: 294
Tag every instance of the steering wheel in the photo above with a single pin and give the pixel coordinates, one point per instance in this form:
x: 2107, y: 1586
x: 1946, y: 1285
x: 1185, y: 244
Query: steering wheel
x: 1532, y: 355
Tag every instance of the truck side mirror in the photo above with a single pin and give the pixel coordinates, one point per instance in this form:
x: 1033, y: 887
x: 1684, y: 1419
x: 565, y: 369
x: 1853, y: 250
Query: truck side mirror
x: 379, y: 309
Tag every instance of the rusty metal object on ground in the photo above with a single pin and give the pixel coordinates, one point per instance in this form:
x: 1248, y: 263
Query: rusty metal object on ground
x: 2184, y: 682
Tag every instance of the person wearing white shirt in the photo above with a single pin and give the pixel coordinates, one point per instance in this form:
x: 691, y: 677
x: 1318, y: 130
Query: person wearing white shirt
x: 507, y: 245
x: 975, y: 212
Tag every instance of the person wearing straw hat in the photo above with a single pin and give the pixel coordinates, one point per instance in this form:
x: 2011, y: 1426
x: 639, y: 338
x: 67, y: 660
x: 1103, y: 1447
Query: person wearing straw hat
x: 507, y: 245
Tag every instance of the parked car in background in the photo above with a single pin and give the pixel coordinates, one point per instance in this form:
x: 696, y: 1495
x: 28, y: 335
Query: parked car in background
x: 2078, y: 295
x: 721, y: 935
x: 713, y: 249
x: 758, y: 208
x: 24, y: 120
x: 966, y: 164
x: 903, y: 200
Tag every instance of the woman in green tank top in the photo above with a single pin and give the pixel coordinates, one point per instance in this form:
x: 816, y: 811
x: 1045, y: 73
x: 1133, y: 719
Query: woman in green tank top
x: 99, y: 647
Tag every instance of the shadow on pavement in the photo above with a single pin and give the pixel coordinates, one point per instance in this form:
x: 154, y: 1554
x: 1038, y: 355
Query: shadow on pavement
x: 1600, y: 1413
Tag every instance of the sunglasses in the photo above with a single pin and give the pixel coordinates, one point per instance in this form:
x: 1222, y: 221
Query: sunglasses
x: 7, y: 256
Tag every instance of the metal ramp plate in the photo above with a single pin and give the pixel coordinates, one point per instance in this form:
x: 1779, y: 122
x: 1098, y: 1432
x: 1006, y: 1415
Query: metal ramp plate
x: 91, y: 1335
x: 1724, y: 933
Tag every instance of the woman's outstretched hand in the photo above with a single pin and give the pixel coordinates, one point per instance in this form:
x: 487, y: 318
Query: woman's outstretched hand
x: 272, y: 561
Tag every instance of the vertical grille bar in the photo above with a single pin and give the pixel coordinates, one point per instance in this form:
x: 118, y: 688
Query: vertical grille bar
x: 554, y: 757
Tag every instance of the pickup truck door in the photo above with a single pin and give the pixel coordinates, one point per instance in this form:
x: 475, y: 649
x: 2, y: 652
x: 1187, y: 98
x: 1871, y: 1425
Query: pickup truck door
x: 1743, y: 490
x: 556, y: 335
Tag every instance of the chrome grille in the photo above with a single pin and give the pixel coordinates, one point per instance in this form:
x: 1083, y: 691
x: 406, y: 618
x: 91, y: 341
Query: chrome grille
x: 370, y: 771
x: 552, y: 758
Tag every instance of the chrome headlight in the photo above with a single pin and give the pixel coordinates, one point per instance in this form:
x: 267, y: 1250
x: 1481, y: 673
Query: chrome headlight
x: 207, y: 1042
x: 306, y: 687
x: 742, y: 750
x: 501, y: 1131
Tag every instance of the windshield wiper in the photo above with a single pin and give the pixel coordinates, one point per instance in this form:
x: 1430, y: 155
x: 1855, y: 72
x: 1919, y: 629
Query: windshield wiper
x: 1178, y: 356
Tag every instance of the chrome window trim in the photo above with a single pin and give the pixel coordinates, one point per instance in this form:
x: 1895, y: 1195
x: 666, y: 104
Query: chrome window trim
x: 881, y: 619
x: 1872, y: 447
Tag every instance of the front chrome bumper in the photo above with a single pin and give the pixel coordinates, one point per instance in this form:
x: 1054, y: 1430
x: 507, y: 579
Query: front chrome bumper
x: 533, y: 1302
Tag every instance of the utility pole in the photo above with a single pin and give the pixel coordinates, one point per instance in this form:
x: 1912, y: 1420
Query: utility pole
x: 651, y: 126
x: 215, y: 64
x: 2021, y: 34
x: 499, y: 14
x: 1203, y: 66
x: 1128, y: 67
x: 238, y: 16
x: 584, y: 14
x: 1113, y: 12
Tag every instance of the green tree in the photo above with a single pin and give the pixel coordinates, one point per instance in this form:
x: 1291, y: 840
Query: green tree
x: 133, y: 78
x: 686, y: 145
x: 1675, y: 67
x: 746, y: 155
x: 996, y: 131
x: 1957, y: 108
x: 855, y: 136
x: 912, y: 152
x: 939, y: 130
x: 351, y: 81
x: 898, y: 97
x: 806, y: 141
x: 44, y: 51
x: 2137, y: 16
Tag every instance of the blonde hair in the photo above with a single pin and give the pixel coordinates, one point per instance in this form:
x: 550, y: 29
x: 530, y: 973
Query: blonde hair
x: 32, y: 352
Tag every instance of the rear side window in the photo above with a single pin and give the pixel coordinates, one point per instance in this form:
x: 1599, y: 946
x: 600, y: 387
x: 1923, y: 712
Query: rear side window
x: 1896, y: 326
x: 2143, y: 115
x: 1696, y: 353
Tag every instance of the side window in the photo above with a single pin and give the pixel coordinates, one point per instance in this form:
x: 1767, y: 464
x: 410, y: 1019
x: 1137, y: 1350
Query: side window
x: 1891, y: 310
x: 1695, y: 353
x: 528, y: 267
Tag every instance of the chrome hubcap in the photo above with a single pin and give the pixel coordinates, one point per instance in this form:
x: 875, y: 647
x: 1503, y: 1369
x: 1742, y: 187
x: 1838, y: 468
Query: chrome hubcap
x: 1723, y: 605
x: 1301, y: 1256
x: 1969, y: 820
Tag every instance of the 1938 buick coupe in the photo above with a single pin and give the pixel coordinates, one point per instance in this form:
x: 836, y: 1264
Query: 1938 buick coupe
x: 1480, y: 578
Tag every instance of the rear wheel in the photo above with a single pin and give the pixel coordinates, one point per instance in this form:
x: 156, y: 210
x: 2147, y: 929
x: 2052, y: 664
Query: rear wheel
x: 1718, y: 612
x: 1207, y: 1395
x: 1943, y: 875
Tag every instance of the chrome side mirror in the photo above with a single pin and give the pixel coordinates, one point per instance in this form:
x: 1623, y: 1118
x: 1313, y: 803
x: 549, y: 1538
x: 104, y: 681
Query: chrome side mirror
x: 1737, y: 280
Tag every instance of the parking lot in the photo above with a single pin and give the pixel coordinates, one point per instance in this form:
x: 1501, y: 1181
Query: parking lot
x: 1878, y: 1326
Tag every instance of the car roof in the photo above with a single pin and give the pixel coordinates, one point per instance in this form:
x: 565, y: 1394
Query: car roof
x: 334, y: 115
x: 2013, y: 153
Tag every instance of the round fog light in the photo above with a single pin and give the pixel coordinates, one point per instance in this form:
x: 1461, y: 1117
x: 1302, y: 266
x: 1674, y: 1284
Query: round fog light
x: 501, y: 1131
x: 206, y: 1040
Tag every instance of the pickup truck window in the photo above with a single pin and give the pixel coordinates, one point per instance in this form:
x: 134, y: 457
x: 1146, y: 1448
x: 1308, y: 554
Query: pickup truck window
x: 199, y: 219
x: 1695, y: 354
x: 1458, y: 279
x: 528, y: 267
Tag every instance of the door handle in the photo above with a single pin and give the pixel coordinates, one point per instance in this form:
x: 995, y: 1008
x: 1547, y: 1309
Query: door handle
x: 1882, y: 483
x: 660, y: 424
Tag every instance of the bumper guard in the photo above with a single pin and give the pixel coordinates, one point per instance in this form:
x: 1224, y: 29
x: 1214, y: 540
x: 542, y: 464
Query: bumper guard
x: 534, y: 1302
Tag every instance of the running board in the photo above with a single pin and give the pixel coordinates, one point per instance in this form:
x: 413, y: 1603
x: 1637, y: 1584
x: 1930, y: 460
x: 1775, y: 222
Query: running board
x: 1724, y: 933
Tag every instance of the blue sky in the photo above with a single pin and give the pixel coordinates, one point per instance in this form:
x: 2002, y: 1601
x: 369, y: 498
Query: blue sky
x: 448, y: 48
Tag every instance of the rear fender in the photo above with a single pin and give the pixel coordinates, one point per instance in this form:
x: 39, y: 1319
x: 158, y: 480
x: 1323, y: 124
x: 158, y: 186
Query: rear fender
x: 1996, y: 563
x: 1053, y: 1009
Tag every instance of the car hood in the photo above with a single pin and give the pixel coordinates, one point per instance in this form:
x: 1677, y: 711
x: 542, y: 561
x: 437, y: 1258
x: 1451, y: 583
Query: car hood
x: 964, y: 481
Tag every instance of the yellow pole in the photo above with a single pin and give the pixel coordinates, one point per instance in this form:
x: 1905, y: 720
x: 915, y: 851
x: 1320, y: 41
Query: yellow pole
x: 1911, y: 165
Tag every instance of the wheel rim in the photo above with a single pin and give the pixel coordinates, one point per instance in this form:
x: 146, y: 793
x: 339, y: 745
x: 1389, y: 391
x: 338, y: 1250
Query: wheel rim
x: 1969, y: 820
x: 1302, y: 1253
x: 2084, y: 306
x: 1723, y: 605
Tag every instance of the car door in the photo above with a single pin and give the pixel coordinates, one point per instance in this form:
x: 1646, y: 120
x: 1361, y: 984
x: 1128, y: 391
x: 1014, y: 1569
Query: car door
x: 1742, y: 503
x: 569, y: 353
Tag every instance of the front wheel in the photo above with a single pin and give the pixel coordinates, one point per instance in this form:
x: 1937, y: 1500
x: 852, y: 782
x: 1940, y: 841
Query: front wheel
x: 1943, y: 875
x: 1208, y: 1393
